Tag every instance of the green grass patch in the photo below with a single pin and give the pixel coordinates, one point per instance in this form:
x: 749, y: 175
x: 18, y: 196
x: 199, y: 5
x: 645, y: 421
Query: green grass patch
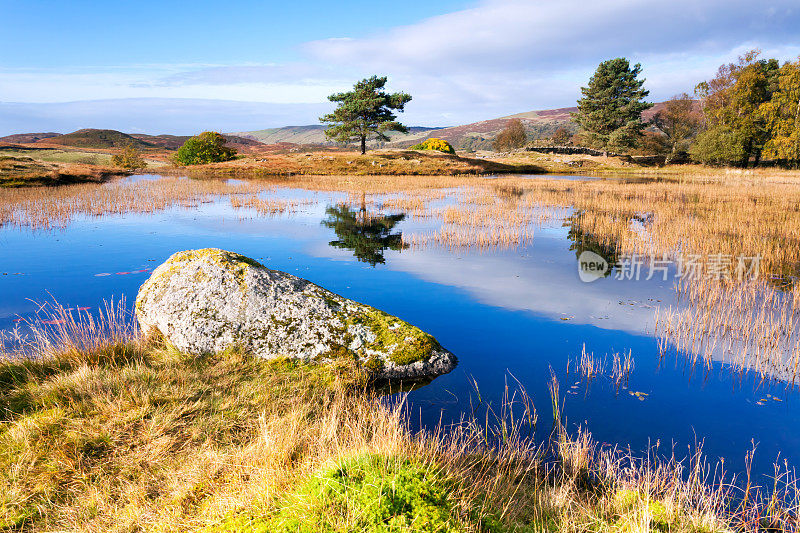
x: 363, y: 493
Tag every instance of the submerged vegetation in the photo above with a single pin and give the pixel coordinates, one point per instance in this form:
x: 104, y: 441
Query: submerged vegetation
x: 106, y: 431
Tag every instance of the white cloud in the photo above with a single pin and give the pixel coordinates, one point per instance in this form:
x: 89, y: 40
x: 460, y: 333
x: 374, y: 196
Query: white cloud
x: 526, y: 35
x: 507, y: 56
x: 496, y: 58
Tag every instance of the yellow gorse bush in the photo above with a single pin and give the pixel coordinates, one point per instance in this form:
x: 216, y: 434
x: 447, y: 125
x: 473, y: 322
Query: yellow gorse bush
x: 435, y: 144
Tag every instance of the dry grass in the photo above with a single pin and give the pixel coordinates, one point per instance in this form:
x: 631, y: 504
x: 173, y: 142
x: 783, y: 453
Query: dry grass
x: 105, y: 431
x: 378, y: 162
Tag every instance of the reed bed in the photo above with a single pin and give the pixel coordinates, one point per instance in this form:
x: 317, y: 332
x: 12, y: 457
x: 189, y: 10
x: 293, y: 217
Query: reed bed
x: 269, y: 206
x: 45, y: 208
x: 721, y: 215
x: 749, y: 325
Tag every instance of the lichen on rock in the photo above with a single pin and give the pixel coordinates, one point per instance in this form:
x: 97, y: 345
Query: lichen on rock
x: 210, y: 300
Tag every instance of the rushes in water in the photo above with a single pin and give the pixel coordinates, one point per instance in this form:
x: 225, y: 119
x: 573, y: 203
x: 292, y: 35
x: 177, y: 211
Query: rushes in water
x: 749, y: 326
x: 589, y: 366
x: 621, y: 368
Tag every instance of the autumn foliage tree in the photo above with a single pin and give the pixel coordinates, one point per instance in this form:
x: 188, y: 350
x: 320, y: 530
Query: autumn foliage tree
x: 679, y: 122
x: 561, y: 136
x: 512, y: 137
x: 731, y: 102
x: 366, y: 111
x: 781, y: 116
x: 129, y: 158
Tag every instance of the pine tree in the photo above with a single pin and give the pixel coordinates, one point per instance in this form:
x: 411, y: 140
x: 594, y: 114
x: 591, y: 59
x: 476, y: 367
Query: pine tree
x: 365, y: 111
x: 611, y: 108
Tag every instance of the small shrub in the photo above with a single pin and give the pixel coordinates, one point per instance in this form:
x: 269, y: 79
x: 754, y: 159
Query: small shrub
x: 129, y: 158
x: 440, y: 145
x: 562, y: 136
x: 208, y: 147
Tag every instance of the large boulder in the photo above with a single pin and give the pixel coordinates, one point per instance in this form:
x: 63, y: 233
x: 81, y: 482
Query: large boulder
x: 204, y: 301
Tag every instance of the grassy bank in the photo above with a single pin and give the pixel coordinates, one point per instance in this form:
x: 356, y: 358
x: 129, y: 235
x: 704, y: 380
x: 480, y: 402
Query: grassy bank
x: 104, y: 431
x: 377, y: 162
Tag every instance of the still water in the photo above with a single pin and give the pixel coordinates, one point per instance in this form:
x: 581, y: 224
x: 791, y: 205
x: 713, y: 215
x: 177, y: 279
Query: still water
x: 511, y: 315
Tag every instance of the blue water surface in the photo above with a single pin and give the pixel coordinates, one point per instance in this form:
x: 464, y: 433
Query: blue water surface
x: 512, y: 316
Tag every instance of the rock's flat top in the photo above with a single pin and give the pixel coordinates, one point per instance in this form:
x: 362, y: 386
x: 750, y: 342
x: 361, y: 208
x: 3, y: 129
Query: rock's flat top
x: 209, y: 300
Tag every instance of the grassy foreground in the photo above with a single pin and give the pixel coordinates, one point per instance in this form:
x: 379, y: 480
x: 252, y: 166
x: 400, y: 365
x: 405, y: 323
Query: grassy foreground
x: 109, y: 432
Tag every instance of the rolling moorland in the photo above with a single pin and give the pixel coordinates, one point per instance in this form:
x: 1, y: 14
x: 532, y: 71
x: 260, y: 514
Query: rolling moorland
x: 50, y: 158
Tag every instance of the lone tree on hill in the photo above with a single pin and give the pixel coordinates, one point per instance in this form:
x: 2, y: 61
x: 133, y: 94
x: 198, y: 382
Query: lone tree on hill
x: 366, y: 110
x: 513, y: 136
x: 610, y: 112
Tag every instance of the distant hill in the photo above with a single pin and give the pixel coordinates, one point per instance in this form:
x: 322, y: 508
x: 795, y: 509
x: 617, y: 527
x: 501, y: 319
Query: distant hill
x: 102, y: 139
x: 170, y: 142
x: 27, y: 138
x: 475, y: 136
x: 539, y: 124
x: 92, y: 138
x: 315, y: 134
x: 173, y: 142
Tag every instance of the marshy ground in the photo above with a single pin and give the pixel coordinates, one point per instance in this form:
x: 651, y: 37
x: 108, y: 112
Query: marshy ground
x: 107, y: 431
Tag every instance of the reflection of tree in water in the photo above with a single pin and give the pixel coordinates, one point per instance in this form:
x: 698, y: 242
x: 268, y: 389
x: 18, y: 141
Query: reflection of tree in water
x: 368, y: 236
x: 582, y: 241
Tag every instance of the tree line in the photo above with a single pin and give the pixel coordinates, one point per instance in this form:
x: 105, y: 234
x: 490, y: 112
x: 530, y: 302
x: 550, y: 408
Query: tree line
x: 749, y: 111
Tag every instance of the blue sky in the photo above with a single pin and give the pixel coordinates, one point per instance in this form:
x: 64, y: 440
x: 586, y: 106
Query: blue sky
x: 162, y: 67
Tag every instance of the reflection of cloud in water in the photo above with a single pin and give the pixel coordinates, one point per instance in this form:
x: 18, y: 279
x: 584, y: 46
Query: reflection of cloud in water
x: 546, y: 284
x: 543, y: 281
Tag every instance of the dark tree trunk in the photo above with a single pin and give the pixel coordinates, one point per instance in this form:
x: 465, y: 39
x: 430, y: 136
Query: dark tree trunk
x: 758, y: 158
x: 363, y: 145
